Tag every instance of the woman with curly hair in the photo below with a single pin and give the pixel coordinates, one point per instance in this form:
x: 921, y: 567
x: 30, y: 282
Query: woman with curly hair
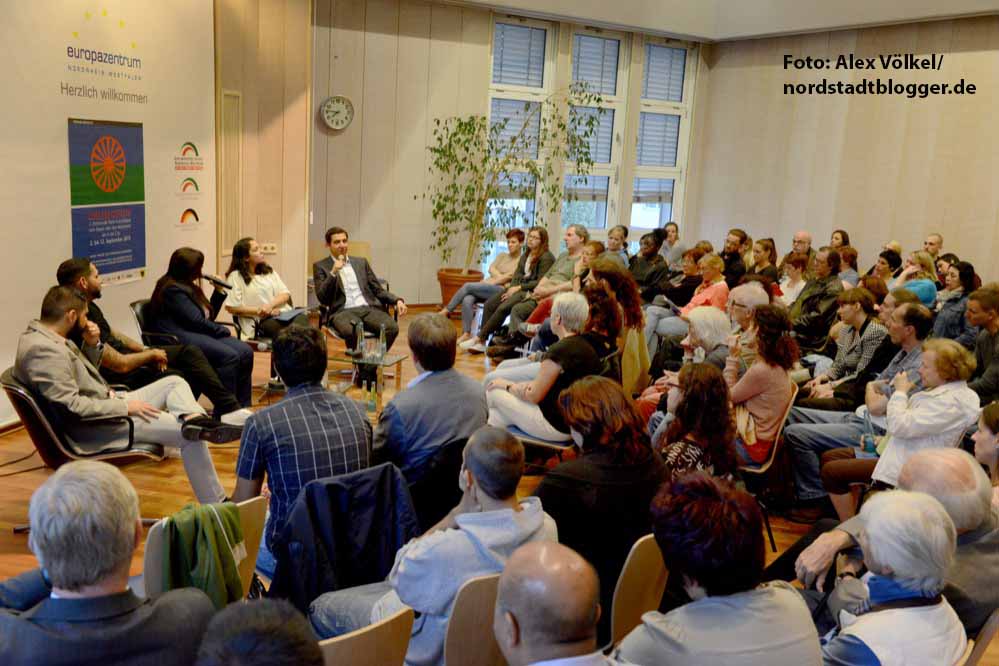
x: 702, y: 433
x: 600, y: 501
x: 761, y: 396
x: 635, y: 359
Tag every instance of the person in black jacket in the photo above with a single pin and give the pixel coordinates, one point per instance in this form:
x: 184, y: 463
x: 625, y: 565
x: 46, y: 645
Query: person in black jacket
x: 814, y: 311
x: 533, y: 263
x: 77, y: 608
x: 179, y: 307
x: 648, y: 267
x: 600, y: 501
x: 352, y: 292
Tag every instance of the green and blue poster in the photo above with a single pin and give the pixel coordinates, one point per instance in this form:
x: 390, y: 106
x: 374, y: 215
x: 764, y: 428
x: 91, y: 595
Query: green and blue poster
x: 107, y: 195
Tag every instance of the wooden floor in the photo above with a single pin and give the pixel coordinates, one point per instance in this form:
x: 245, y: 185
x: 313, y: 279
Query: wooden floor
x: 163, y: 487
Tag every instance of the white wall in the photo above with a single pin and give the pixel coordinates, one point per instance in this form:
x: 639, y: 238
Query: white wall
x: 174, y: 41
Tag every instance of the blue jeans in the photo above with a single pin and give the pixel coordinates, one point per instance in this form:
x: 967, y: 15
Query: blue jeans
x: 470, y: 294
x: 343, y: 611
x: 660, y: 321
x: 544, y: 338
x: 810, y: 433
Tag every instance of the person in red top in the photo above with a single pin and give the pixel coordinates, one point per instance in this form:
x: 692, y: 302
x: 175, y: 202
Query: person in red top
x: 665, y: 319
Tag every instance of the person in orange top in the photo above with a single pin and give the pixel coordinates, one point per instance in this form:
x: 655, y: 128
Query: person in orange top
x: 665, y: 319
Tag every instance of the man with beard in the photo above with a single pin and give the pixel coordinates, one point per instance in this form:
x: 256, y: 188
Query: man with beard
x: 66, y: 377
x: 128, y: 362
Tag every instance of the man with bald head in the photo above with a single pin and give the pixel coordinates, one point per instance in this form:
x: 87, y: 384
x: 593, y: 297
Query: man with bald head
x: 547, y: 608
x: 801, y: 243
x: 956, y: 479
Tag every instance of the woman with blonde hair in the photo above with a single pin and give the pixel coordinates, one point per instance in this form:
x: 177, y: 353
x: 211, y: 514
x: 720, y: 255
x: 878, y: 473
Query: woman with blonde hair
x: 668, y: 320
x: 920, y: 277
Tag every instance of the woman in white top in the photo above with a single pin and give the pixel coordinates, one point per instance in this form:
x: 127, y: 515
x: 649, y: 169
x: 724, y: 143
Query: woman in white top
x: 794, y: 278
x: 258, y: 295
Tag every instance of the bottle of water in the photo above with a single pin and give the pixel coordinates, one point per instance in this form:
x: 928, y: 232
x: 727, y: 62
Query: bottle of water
x: 359, y: 336
x: 372, y: 398
x: 382, y: 347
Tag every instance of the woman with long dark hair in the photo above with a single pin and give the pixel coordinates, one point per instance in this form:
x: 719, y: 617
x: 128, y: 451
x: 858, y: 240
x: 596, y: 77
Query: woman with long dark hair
x: 702, y: 434
x: 635, y: 359
x: 761, y: 396
x: 951, y: 322
x: 600, y: 501
x: 179, y: 307
x: 258, y: 295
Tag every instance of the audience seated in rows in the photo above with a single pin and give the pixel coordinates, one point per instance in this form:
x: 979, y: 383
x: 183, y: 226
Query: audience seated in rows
x: 813, y: 312
x: 474, y: 539
x: 810, y: 432
x: 856, y: 345
x: 178, y: 306
x: 895, y: 613
x: 66, y: 378
x: 266, y: 632
x: 711, y: 538
x: 547, y: 606
x: 634, y: 355
x: 532, y: 406
x: 701, y: 432
x: 439, y: 405
x: 129, y: 362
x: 352, y: 293
x: 77, y: 607
x: 600, y: 500
x: 312, y: 433
x: 534, y: 262
x: 501, y: 272
x: 760, y: 397
x: 667, y: 319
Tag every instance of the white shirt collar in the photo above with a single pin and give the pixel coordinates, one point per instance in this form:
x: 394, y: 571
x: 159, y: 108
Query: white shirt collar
x: 419, y: 378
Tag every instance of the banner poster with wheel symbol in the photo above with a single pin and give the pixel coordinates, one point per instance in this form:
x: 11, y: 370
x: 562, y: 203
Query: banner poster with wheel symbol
x: 107, y: 197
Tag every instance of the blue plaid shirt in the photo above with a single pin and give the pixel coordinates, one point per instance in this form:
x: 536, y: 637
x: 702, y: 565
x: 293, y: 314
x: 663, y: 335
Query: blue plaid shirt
x: 311, y: 434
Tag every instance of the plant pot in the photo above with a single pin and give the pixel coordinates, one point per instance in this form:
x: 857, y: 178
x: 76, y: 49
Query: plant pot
x: 452, y: 279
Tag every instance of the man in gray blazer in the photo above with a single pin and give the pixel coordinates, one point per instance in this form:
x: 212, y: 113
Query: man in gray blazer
x: 352, y: 292
x: 438, y: 406
x: 77, y: 608
x: 66, y: 378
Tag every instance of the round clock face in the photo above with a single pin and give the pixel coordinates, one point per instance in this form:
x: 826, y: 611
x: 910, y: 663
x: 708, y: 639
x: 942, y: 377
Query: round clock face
x: 337, y: 112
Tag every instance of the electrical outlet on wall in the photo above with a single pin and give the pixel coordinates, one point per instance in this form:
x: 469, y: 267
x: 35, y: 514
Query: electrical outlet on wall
x: 268, y: 248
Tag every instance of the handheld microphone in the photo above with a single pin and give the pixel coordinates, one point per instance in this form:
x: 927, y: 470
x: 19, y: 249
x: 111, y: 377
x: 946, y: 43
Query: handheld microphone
x: 218, y: 282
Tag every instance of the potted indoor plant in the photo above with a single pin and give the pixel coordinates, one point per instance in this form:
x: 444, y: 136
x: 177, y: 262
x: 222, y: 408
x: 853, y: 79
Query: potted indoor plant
x: 482, y: 172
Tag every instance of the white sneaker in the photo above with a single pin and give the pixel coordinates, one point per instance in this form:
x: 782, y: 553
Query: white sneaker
x: 477, y: 349
x: 236, y: 418
x: 469, y: 343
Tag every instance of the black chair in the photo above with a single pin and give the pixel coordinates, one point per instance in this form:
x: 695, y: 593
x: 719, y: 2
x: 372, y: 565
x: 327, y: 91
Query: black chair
x: 436, y: 492
x: 140, y: 310
x: 56, y: 447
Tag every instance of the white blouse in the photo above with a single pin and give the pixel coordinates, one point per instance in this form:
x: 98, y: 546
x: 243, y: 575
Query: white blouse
x: 262, y: 290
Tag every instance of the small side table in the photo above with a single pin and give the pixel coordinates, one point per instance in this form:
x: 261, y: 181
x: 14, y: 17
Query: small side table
x: 379, y: 363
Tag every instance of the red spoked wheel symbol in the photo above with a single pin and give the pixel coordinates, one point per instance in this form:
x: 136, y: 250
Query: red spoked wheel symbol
x: 107, y: 164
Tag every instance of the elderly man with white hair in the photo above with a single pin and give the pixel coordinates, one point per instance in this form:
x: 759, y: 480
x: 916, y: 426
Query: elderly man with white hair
x: 532, y: 406
x: 908, y: 545
x: 956, y: 479
x: 77, y: 608
x: 801, y: 243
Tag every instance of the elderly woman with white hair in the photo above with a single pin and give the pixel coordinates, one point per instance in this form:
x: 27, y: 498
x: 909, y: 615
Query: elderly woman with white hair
x: 668, y: 320
x: 908, y: 542
x: 532, y: 406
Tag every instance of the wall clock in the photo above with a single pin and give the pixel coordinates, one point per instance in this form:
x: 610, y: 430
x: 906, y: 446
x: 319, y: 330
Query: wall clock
x: 337, y: 112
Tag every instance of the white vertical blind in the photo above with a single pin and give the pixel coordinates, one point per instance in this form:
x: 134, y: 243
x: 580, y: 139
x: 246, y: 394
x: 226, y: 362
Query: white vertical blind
x: 603, y: 138
x: 664, y: 67
x: 658, y: 135
x: 653, y: 190
x: 594, y: 62
x: 519, y: 55
x: 590, y: 205
x: 515, y: 113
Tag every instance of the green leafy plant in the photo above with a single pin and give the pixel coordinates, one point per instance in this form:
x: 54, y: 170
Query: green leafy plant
x: 481, y: 170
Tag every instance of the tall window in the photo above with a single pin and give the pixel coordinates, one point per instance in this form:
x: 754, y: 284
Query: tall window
x: 663, y: 125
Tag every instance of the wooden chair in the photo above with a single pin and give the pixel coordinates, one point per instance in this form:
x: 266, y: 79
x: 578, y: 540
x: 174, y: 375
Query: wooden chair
x: 965, y: 659
x: 469, y: 640
x: 978, y: 646
x: 380, y: 644
x: 639, y: 588
x: 759, y: 472
x: 252, y: 514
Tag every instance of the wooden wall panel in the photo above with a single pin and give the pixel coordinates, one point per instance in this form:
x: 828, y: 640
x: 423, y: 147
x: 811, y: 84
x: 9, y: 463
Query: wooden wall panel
x: 883, y: 167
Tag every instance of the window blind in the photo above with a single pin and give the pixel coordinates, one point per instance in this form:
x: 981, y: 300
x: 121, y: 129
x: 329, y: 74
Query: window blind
x: 594, y: 62
x: 653, y: 190
x: 519, y: 55
x: 664, y: 68
x: 658, y: 136
x: 514, y: 112
x: 587, y: 188
x: 602, y: 140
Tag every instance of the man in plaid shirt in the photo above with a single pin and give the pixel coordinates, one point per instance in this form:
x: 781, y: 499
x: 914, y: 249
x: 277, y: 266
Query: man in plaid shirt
x: 312, y: 433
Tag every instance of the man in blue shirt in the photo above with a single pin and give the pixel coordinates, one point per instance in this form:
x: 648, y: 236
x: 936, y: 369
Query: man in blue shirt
x: 313, y: 433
